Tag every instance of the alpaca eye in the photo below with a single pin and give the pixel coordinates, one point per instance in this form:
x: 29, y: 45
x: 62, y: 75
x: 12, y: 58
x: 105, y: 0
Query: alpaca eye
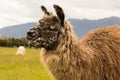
x: 52, y: 27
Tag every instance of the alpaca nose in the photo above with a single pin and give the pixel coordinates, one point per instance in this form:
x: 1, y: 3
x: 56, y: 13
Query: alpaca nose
x: 30, y: 34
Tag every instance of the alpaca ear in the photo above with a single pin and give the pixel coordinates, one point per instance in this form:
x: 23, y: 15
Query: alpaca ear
x: 45, y: 10
x: 60, y: 14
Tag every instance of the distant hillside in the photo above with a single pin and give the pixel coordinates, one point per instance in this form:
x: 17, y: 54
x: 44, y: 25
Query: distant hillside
x: 16, y: 31
x: 81, y: 27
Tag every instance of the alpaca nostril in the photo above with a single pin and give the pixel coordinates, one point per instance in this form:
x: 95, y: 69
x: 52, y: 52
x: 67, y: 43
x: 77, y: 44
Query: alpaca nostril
x: 29, y: 33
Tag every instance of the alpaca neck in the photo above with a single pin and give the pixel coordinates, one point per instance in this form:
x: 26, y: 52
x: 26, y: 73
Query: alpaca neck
x: 73, y: 49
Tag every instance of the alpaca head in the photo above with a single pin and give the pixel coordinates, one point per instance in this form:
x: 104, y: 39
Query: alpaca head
x: 47, y: 33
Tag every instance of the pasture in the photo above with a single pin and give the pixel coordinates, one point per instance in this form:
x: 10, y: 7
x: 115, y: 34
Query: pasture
x: 17, y: 67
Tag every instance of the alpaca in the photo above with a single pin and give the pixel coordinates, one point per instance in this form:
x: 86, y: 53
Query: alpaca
x: 20, y: 51
x: 95, y: 57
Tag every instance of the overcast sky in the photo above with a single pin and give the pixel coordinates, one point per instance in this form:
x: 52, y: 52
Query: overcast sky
x: 14, y: 12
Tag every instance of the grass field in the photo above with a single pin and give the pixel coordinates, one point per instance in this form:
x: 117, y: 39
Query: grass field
x: 16, y: 67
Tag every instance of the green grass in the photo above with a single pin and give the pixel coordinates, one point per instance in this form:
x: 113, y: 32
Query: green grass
x: 16, y: 67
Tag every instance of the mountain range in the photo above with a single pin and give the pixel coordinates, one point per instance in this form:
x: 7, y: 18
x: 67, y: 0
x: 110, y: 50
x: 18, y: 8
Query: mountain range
x: 80, y: 26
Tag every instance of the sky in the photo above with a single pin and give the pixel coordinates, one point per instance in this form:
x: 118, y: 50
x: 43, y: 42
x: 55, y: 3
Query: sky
x: 13, y: 12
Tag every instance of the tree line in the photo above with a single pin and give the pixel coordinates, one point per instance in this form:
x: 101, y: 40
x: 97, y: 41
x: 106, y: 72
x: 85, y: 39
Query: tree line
x: 13, y: 42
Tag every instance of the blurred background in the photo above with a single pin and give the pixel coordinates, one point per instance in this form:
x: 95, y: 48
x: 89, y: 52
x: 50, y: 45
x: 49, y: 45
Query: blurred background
x: 17, y: 16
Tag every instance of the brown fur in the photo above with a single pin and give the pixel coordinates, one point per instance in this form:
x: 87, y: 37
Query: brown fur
x: 95, y: 57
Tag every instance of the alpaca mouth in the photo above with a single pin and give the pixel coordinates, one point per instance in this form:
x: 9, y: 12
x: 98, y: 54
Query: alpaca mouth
x: 33, y: 44
x: 31, y: 36
x: 37, y: 42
